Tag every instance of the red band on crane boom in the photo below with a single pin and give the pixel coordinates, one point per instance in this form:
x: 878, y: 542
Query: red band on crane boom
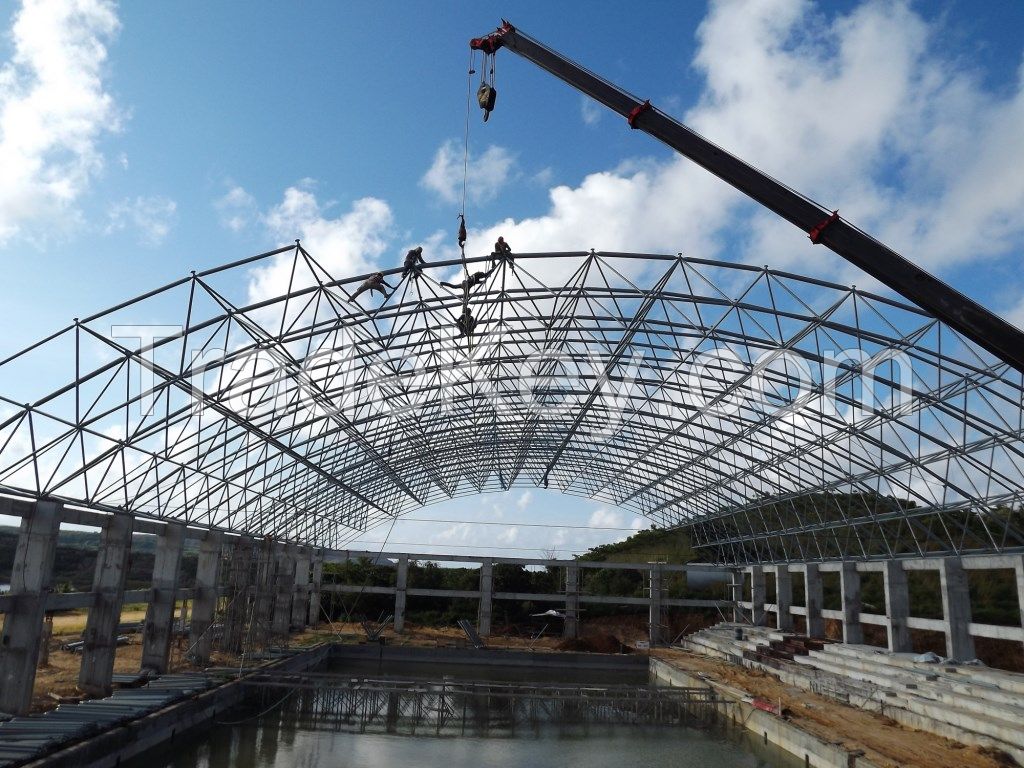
x: 493, y: 41
x: 638, y: 110
x: 816, y: 233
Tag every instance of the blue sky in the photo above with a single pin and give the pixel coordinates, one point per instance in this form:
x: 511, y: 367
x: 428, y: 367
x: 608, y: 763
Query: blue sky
x: 142, y: 140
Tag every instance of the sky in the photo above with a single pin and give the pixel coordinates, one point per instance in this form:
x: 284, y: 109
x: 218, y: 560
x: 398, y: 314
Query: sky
x: 139, y: 141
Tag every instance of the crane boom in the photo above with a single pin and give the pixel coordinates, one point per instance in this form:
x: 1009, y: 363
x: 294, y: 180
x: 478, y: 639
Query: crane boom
x: 959, y: 312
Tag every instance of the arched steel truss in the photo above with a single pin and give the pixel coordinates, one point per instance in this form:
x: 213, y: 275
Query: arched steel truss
x: 776, y: 416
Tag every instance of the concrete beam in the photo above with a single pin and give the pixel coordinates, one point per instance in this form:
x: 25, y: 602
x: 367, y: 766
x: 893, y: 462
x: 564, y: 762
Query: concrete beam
x: 240, y: 589
x: 897, y: 606
x: 483, y: 621
x: 783, y: 598
x: 100, y: 638
x: 401, y: 584
x: 159, y: 625
x: 956, y: 608
x: 314, y: 594
x: 849, y: 580
x: 814, y: 600
x: 300, y: 599
x: 31, y: 581
x: 572, y: 602
x: 207, y: 593
x: 285, y: 592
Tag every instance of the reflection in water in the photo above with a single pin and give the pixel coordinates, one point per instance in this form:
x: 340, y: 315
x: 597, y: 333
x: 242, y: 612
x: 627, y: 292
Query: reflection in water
x: 286, y: 736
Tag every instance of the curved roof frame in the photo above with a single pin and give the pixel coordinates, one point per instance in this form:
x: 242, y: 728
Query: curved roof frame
x: 777, y: 416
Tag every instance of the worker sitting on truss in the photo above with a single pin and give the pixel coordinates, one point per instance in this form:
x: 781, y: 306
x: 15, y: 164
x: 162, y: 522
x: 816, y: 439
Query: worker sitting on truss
x: 466, y: 323
x: 472, y: 281
x: 502, y: 252
x: 413, y: 259
x: 374, y: 282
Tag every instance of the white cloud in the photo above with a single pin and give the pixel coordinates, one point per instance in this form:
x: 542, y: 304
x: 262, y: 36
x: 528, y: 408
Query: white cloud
x: 346, y: 244
x: 590, y: 110
x: 54, y: 107
x: 524, y: 500
x: 605, y: 518
x: 487, y: 173
x: 153, y: 217
x: 237, y: 209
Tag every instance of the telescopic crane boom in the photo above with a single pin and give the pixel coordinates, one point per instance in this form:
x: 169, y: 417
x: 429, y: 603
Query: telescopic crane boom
x: 959, y: 312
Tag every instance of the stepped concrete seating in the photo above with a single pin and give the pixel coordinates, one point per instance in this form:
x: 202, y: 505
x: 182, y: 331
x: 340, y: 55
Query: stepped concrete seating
x: 970, y: 704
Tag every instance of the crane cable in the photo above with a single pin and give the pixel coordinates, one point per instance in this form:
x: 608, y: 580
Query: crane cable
x: 465, y: 186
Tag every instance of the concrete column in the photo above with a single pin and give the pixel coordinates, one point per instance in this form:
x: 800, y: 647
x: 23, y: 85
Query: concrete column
x: 207, y: 593
x: 156, y: 634
x: 483, y: 622
x: 31, y: 584
x: 783, y: 598
x: 238, y: 600
x: 814, y: 599
x: 100, y: 639
x: 654, y: 610
x: 1019, y: 570
x: 401, y: 583
x: 897, y: 606
x: 284, y: 592
x: 853, y: 631
x: 572, y: 602
x: 300, y: 600
x: 314, y: 594
x: 758, y: 594
x: 956, y: 608
x: 736, y: 595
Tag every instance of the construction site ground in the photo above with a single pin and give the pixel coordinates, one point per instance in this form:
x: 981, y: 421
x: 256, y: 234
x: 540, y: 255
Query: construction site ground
x: 884, y: 742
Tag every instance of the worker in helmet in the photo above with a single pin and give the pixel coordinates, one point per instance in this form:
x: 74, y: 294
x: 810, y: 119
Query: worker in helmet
x: 502, y: 251
x: 472, y: 281
x: 413, y: 260
x: 466, y: 323
x: 374, y: 282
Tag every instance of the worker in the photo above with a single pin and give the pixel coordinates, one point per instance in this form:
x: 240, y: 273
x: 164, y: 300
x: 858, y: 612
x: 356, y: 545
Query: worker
x: 374, y: 282
x: 472, y: 281
x: 502, y: 251
x: 413, y: 259
x: 466, y: 323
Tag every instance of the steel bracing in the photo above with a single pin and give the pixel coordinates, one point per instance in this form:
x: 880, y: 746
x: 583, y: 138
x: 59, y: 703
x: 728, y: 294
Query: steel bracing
x: 776, y: 416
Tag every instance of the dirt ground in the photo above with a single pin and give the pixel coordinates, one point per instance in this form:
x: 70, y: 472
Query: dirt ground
x: 885, y: 742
